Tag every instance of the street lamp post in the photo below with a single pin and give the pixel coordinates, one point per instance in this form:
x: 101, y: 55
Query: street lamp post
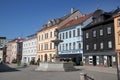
x: 118, y: 76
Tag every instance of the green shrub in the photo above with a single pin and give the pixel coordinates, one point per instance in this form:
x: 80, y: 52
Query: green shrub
x: 14, y: 61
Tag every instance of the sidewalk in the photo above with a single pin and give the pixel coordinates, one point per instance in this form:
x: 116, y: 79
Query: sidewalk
x: 98, y: 69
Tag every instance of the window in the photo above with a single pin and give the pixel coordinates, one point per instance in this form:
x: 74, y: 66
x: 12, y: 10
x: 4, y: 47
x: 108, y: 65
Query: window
x: 69, y: 34
x: 73, y: 33
x: 69, y: 46
x: 63, y: 46
x: 39, y: 37
x: 42, y: 36
x: 119, y: 22
x: 95, y: 46
x: 87, y: 47
x: 109, y: 44
x: 108, y: 30
x: 60, y: 36
x: 50, y: 45
x: 87, y: 35
x: 63, y: 35
x: 101, y: 32
x: 119, y: 39
x: 47, y: 35
x: 50, y: 34
x: 66, y: 35
x: 66, y: 46
x: 73, y: 45
x: 79, y: 46
x: 101, y: 45
x: 94, y: 33
x: 46, y: 46
x: 41, y: 46
x: 78, y: 32
x: 60, y: 47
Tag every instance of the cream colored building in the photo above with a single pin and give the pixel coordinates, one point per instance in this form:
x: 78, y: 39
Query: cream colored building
x: 117, y: 35
x: 45, y: 48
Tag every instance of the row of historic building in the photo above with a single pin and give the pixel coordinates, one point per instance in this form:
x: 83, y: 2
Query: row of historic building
x: 92, y: 38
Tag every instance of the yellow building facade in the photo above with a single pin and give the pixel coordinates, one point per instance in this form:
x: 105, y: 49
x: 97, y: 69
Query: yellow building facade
x: 45, y: 48
x: 117, y: 35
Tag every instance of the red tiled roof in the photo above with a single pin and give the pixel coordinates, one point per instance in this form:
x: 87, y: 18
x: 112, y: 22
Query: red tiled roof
x: 17, y: 39
x: 76, y: 21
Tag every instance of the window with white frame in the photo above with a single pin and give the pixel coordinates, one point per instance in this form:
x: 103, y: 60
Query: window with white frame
x: 66, y: 46
x: 73, y: 33
x: 50, y: 34
x: 63, y: 47
x: 79, y: 45
x: 95, y: 46
x: 87, y: 47
x: 109, y: 31
x: 101, y: 32
x: 50, y: 45
x: 60, y: 47
x: 66, y: 35
x: 60, y: 36
x: 101, y: 45
x: 73, y: 45
x: 78, y: 31
x: 63, y: 36
x: 69, y: 34
x: 69, y: 46
x: 118, y: 22
x: 109, y: 44
x: 94, y: 33
x: 87, y: 35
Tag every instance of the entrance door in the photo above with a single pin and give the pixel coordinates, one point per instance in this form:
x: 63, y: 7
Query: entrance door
x: 45, y: 57
x: 94, y: 60
x: 109, y: 61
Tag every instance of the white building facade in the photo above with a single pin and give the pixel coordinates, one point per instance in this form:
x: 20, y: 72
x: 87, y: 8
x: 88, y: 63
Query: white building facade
x: 29, y: 49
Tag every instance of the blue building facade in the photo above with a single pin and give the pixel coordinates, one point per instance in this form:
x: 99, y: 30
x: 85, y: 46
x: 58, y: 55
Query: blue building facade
x: 72, y: 46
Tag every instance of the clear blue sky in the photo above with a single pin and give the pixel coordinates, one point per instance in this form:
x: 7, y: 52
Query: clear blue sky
x: 20, y: 18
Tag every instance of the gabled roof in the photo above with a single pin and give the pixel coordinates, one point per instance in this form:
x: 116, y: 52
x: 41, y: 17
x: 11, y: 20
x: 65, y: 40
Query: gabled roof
x: 106, y: 20
x: 76, y: 21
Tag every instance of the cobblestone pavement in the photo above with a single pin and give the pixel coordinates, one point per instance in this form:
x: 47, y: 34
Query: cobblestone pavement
x: 28, y: 73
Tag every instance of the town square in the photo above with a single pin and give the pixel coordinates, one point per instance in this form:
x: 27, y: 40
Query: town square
x: 59, y: 40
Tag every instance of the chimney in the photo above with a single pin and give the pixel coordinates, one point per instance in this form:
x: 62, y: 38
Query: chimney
x: 73, y: 10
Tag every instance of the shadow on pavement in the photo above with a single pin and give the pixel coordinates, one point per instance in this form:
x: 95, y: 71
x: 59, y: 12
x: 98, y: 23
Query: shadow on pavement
x: 6, y: 68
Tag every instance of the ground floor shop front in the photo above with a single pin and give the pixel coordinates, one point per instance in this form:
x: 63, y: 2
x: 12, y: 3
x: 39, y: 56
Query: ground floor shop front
x: 107, y: 60
x: 76, y: 58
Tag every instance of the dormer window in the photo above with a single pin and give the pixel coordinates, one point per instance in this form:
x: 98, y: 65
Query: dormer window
x: 49, y: 23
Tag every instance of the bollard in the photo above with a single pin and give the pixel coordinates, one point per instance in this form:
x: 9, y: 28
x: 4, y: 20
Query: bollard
x: 82, y: 76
